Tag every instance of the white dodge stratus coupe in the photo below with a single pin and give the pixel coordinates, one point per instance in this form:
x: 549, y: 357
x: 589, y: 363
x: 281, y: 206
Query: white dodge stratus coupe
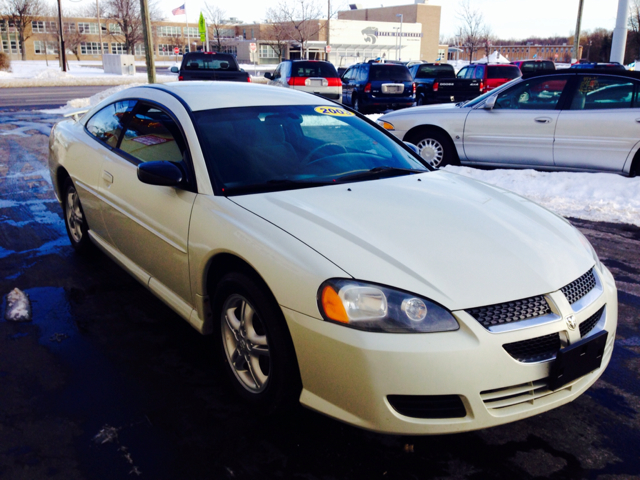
x: 331, y: 265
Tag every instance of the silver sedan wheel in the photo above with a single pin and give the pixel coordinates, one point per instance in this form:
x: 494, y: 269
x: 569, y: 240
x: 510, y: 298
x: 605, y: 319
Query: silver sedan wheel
x: 74, y: 216
x: 245, y: 343
x: 431, y: 151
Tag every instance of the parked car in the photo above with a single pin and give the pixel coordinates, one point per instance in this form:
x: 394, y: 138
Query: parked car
x: 615, y: 66
x: 376, y: 87
x: 491, y: 76
x: 210, y: 66
x: 582, y: 120
x: 535, y: 66
x: 313, y: 76
x: 286, y: 227
x: 437, y: 83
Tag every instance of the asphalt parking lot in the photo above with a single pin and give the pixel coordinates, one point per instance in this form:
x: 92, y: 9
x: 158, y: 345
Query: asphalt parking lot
x: 108, y: 383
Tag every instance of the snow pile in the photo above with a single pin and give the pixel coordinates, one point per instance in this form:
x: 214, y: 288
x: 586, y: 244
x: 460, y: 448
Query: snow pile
x: 600, y: 197
x: 50, y: 73
x: 18, y: 306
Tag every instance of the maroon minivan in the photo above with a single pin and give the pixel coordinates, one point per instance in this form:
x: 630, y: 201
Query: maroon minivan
x: 491, y: 75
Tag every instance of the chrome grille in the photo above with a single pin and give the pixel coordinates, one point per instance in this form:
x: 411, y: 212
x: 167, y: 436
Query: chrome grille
x: 534, y: 349
x: 580, y: 287
x: 509, y: 312
x: 590, y: 323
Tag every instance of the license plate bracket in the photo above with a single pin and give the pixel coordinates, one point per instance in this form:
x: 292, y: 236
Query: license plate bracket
x: 577, y: 360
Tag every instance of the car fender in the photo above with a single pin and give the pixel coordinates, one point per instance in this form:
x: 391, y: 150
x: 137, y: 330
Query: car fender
x: 632, y: 157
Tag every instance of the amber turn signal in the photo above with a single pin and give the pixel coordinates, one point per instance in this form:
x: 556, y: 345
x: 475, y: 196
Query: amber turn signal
x: 332, y: 305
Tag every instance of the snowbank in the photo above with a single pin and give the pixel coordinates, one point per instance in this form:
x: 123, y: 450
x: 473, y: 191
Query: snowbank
x: 600, y: 197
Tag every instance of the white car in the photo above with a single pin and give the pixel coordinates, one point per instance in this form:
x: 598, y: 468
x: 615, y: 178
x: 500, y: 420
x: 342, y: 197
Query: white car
x: 576, y: 120
x: 332, y: 266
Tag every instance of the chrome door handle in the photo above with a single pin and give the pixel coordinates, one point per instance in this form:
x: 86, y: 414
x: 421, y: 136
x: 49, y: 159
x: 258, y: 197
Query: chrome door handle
x: 542, y: 120
x: 107, y: 177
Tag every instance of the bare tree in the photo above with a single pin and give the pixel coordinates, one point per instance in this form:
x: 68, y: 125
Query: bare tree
x: 126, y: 15
x: 301, y: 19
x: 278, y: 32
x: 216, y: 20
x: 21, y: 13
x: 473, y: 31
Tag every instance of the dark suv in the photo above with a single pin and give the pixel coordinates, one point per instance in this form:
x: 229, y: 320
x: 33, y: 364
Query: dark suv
x: 376, y: 87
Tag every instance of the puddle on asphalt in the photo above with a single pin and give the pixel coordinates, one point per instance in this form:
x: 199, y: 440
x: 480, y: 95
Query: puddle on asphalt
x: 96, y: 393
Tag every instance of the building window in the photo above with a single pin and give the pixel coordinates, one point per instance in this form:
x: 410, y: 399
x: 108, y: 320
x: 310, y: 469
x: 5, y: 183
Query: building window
x: 114, y: 28
x: 191, y: 32
x: 93, y: 48
x: 139, y: 50
x: 3, y: 26
x: 38, y: 27
x: 267, y: 51
x: 166, y: 50
x: 230, y: 49
x: 168, y: 31
x: 69, y: 27
x: 90, y: 28
x: 15, y: 47
x: 39, y: 46
x: 441, y: 54
x: 118, y: 48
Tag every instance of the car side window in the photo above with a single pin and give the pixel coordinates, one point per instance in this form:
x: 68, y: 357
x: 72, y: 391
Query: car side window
x: 363, y: 73
x: 348, y: 75
x: 151, y: 135
x: 479, y: 72
x: 106, y: 125
x: 597, y: 92
x: 534, y: 94
x: 277, y: 74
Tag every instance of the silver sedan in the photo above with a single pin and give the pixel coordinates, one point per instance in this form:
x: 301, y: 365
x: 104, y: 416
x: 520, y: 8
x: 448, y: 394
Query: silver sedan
x: 577, y: 121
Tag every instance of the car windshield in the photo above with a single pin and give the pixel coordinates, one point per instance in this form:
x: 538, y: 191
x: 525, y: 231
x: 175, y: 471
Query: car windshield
x: 507, y: 71
x: 209, y: 61
x: 269, y: 148
x: 486, y: 95
x: 435, y: 71
x: 313, y: 69
x: 544, y: 65
x: 395, y: 73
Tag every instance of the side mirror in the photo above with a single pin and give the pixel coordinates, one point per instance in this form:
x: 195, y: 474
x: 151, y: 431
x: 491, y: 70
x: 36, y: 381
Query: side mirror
x: 268, y: 76
x: 164, y: 174
x: 175, y: 70
x: 490, y: 102
x: 345, y: 81
x: 413, y: 148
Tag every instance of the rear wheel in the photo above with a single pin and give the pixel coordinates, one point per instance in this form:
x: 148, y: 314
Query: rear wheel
x: 357, y: 106
x: 435, y: 147
x: 254, y: 344
x: 74, y: 218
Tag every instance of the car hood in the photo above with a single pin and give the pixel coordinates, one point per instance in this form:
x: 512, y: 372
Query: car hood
x: 457, y: 241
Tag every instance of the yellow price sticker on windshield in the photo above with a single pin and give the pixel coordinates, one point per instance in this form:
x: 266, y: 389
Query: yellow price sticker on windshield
x: 334, y: 111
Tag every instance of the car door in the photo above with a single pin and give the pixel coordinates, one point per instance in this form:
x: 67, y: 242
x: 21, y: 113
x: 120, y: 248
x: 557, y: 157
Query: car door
x: 519, y: 129
x: 149, y: 224
x: 275, y: 78
x: 601, y: 127
x: 348, y: 86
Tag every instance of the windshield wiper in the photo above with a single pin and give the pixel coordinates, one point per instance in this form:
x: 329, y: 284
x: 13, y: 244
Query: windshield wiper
x: 379, y: 172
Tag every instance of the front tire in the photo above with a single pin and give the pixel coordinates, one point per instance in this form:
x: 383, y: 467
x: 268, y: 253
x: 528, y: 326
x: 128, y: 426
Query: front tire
x: 254, y: 344
x: 436, y: 148
x: 74, y: 219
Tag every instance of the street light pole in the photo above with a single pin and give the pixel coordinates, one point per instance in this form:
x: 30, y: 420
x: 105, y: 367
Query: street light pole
x: 576, y: 38
x: 63, y: 55
x: 400, y: 49
x: 99, y: 26
x: 148, y: 41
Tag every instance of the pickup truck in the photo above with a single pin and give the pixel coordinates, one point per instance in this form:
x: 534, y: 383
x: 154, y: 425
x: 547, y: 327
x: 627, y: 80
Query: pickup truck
x: 437, y: 83
x: 210, y: 66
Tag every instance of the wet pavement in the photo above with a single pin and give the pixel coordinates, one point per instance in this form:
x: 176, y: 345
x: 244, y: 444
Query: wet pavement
x: 108, y: 383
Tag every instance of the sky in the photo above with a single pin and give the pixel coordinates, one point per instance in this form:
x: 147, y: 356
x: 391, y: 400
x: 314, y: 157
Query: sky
x: 507, y: 18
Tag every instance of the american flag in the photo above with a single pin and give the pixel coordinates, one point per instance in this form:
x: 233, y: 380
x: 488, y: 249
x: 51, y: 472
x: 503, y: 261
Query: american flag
x: 179, y: 11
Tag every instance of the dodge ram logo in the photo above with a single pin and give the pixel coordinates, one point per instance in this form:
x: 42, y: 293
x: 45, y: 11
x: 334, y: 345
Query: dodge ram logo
x: 571, y: 322
x: 370, y: 34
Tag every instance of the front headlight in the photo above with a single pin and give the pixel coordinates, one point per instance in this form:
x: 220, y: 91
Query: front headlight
x: 375, y: 308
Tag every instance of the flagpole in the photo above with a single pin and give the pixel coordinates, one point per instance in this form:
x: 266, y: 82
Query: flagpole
x: 186, y: 33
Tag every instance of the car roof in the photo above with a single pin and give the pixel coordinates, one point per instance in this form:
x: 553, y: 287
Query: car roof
x: 203, y: 95
x: 585, y: 71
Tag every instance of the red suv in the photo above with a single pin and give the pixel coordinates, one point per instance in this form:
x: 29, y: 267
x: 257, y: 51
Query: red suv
x: 491, y: 75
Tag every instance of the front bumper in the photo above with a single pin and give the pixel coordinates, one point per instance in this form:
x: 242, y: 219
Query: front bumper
x: 348, y: 374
